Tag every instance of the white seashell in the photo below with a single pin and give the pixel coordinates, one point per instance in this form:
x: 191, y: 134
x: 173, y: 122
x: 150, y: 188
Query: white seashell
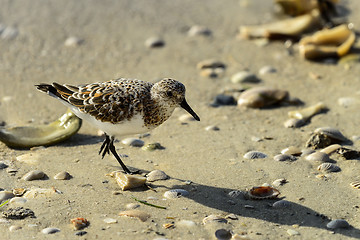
x: 39, y: 192
x: 186, y: 223
x: 143, y: 216
x: 259, y: 97
x: 13, y: 228
x: 318, y: 157
x: 267, y: 69
x: 33, y: 175
x: 154, y: 42
x: 355, y: 184
x: 110, y: 220
x: 73, y: 42
x: 244, y: 77
x: 308, y: 112
x: 186, y: 118
x: 331, y: 132
x: 212, y: 128
x: 214, y: 218
x: 328, y: 167
x: 197, y: 30
x: 238, y: 194
x: 338, y: 223
x: 9, y: 33
x: 254, y: 155
x: 18, y: 200
x: 62, y: 176
x: 295, y: 151
x: 330, y: 149
x: 5, y: 195
x: 176, y: 193
x: 156, y: 175
x: 50, y: 230
x: 134, y: 142
x: 127, y: 181
x: 294, y: 123
x: 284, y: 157
x: 346, y: 101
x: 29, y: 158
x: 279, y: 182
x: 292, y: 232
x: 132, y: 206
x: 281, y: 204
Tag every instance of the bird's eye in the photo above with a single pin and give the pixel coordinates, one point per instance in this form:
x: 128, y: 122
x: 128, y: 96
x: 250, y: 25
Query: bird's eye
x: 169, y: 94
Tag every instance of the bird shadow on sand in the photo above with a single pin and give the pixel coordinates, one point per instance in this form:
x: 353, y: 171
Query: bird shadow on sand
x: 81, y: 139
x: 218, y: 198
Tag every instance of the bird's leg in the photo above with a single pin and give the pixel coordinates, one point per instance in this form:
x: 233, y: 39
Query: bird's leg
x: 113, y: 151
x: 105, y: 146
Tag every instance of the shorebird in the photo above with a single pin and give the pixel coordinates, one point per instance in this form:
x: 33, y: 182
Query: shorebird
x: 122, y: 106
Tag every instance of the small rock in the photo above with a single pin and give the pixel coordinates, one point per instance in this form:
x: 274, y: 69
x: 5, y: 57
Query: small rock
x: 154, y: 42
x: 156, y: 175
x: 63, y: 175
x: 266, y: 70
x: 9, y: 33
x: 18, y: 200
x: 152, y: 147
x: 81, y: 233
x: 244, y: 77
x: 18, y: 213
x: 33, y: 175
x: 73, y: 42
x: 294, y: 123
x: 223, y: 100
x: 134, y: 142
x: 3, y: 165
x: 50, y: 230
x: 5, y: 195
x: 292, y: 232
x: 284, y: 157
x: 186, y: 223
x: 223, y: 234
x: 13, y: 228
x: 110, y: 220
x: 197, y: 30
x: 212, y: 128
x: 281, y: 204
x: 338, y: 223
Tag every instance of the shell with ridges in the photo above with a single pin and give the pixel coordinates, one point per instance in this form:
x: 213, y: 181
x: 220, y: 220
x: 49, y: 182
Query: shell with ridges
x: 318, y: 157
x: 328, y: 167
x: 263, y: 192
x: 175, y: 193
x: 254, y: 155
x: 331, y: 133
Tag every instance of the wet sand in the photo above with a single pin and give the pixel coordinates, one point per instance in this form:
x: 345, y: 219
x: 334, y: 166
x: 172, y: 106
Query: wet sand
x: 212, y: 162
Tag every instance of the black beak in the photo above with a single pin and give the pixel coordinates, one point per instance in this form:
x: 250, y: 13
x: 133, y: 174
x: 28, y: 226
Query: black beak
x: 186, y: 106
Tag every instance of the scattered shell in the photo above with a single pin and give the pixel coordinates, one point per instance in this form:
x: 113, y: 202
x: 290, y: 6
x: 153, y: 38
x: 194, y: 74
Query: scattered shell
x: 176, y: 193
x: 338, y: 223
x: 262, y: 192
x: 186, y: 118
x: 318, y: 157
x: 134, y: 142
x: 214, y: 218
x: 281, y: 204
x: 355, y: 184
x: 254, y: 155
x: 294, y: 123
x: 154, y: 42
x: 197, y: 30
x: 232, y: 216
x: 29, y: 158
x: 13, y: 228
x: 306, y: 152
x: 18, y: 213
x: 143, y: 216
x: 132, y: 205
x: 307, y: 113
x: 259, y: 97
x: 110, y: 220
x: 330, y: 149
x: 328, y: 167
x: 238, y: 194
x: 212, y: 72
x: 73, y: 42
x: 168, y: 225
x: 79, y: 223
x: 156, y: 175
x: 152, y: 147
x: 210, y: 63
x: 292, y: 150
x: 279, y: 182
x: 244, y: 77
x: 80, y: 233
x: 212, y: 128
x: 42, y: 135
x: 291, y: 27
x: 18, y: 200
x: 3, y: 165
x: 62, y: 176
x: 284, y: 157
x: 127, y: 181
x: 186, y: 223
x: 332, y: 133
x: 334, y: 42
x: 18, y: 192
x: 267, y: 69
x: 50, y: 230
x: 9, y: 33
x: 33, y: 175
x: 292, y: 232
x: 223, y: 234
x: 223, y: 100
x: 346, y: 101
x: 39, y: 192
x: 5, y: 195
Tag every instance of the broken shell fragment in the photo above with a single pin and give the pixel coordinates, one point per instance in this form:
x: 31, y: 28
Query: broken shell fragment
x: 328, y: 167
x: 143, y: 216
x: 127, y: 181
x: 355, y: 184
x: 306, y: 113
x: 331, y: 133
x: 263, y: 192
x: 331, y: 148
x: 259, y: 97
x: 335, y: 42
x: 79, y: 223
x: 291, y: 27
x: 41, y: 135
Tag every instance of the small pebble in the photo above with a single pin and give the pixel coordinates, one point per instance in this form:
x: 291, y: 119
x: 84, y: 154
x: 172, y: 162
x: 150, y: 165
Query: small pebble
x: 134, y: 142
x: 110, y: 220
x: 244, y: 77
x: 186, y: 223
x: 132, y: 205
x: 318, y: 157
x: 254, y: 155
x: 50, y: 230
x: 152, y: 147
x: 223, y: 234
x: 18, y: 200
x: 73, y: 42
x: 81, y: 233
x: 281, y: 204
x: 5, y: 195
x: 154, y: 42
x: 62, y: 176
x: 176, y: 193
x: 266, y: 70
x: 338, y: 223
x: 3, y: 165
x: 284, y: 157
x: 18, y: 213
x: 210, y: 63
x: 33, y: 175
x: 13, y: 228
x: 9, y: 33
x: 186, y: 118
x: 214, y: 218
x: 212, y: 128
x: 294, y: 123
x: 346, y: 102
x: 197, y: 30
x: 156, y: 175
x: 292, y: 232
x: 223, y: 100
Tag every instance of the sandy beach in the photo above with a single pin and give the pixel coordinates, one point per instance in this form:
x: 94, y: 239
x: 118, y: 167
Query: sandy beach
x: 109, y: 42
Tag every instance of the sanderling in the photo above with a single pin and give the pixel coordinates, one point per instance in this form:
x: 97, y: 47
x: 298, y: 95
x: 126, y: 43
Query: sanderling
x: 122, y: 106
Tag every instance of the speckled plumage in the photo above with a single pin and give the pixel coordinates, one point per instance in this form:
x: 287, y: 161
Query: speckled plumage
x: 122, y: 106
